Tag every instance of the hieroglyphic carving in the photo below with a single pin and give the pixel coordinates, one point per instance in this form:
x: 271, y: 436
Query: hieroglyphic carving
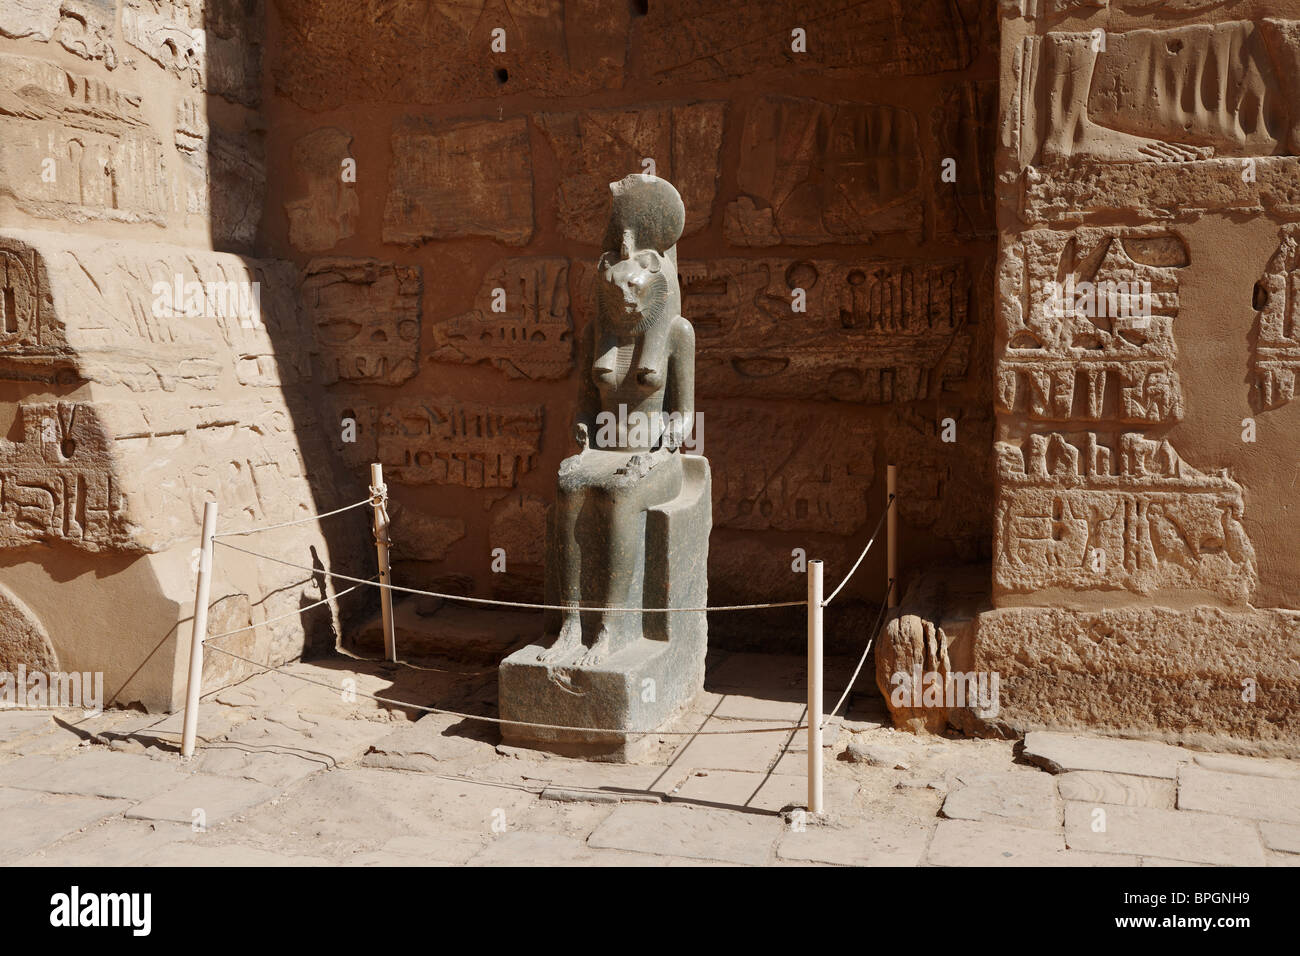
x: 366, y: 318
x: 468, y: 179
x: 738, y: 38
x: 531, y: 338
x: 448, y: 441
x: 597, y: 147
x: 1275, y: 360
x: 73, y: 146
x: 1076, y: 513
x: 965, y: 125
x: 86, y: 28
x: 873, y: 330
x: 1087, y: 317
x: 32, y: 341
x: 789, y: 471
x: 28, y: 18
x: 57, y: 483
x: 554, y: 48
x: 820, y: 172
x: 169, y: 32
x: 329, y: 211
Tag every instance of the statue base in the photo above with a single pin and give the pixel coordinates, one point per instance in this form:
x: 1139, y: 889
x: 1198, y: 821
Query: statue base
x: 640, y: 689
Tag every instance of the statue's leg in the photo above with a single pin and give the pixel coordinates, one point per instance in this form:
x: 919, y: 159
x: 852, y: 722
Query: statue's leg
x: 623, y: 507
x: 568, y: 505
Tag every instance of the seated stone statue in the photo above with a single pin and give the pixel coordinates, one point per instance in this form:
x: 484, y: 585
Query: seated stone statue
x: 636, y: 406
x: 632, y: 516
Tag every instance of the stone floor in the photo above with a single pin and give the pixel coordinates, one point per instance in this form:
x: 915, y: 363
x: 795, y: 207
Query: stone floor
x: 292, y: 773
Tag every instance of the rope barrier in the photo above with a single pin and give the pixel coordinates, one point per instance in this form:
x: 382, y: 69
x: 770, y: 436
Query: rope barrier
x: 888, y: 504
x: 875, y: 631
x: 281, y: 617
x: 784, y: 728
x: 285, y: 524
x: 496, y: 603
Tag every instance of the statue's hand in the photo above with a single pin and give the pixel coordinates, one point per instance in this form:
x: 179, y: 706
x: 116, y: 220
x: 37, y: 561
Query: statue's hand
x: 581, y: 435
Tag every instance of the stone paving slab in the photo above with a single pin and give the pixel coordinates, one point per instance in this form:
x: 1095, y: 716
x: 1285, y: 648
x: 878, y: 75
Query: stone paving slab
x: 878, y: 843
x: 1255, y: 766
x: 96, y: 773
x: 428, y: 744
x: 1095, y: 786
x: 1017, y: 798
x: 220, y: 798
x: 758, y: 791
x: 455, y: 850
x: 520, y: 848
x: 34, y: 820
x: 111, y: 843
x: 741, y: 707
x: 1060, y: 753
x: 694, y: 832
x: 274, y: 768
x: 757, y: 751
x: 199, y: 854
x: 1241, y: 795
x: 15, y: 724
x: 1165, y: 834
x: 968, y: 843
x: 1282, y: 837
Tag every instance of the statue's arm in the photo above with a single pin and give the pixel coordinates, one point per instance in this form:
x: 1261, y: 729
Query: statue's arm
x: 588, y: 394
x: 679, y: 389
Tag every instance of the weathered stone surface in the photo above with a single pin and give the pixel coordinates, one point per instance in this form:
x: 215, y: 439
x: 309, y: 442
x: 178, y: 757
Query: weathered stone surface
x: 108, y: 163
x: 1096, y: 786
x: 1086, y: 516
x: 1255, y: 766
x: 28, y: 18
x: 98, y: 774
x: 219, y: 799
x: 519, y: 528
x: 1022, y: 799
x: 24, y: 642
x: 329, y: 210
x: 892, y: 844
x: 1275, y: 356
x: 467, y: 179
x: 1166, y: 834
x: 429, y: 744
x: 35, y: 820
x: 965, y: 843
x: 737, y: 38
x: 551, y: 47
x: 790, y: 472
x: 874, y: 331
x: 1239, y: 795
x: 597, y: 147
x: 1283, y: 837
x: 366, y: 317
x: 821, y: 172
x: 1062, y: 753
x: 1158, y: 670
x: 447, y: 441
x: 520, y: 322
x: 758, y: 790
x: 695, y: 832
x: 965, y: 128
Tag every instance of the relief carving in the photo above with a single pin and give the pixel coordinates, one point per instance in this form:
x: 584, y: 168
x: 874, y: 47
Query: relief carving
x: 1275, y: 359
x: 820, y: 172
x: 330, y: 209
x: 365, y: 314
x: 1087, y: 317
x: 874, y: 330
x: 525, y: 329
x: 1076, y: 513
x: 469, y: 179
x: 448, y: 441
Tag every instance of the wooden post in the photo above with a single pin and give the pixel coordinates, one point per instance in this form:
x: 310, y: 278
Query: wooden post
x: 378, y: 495
x: 199, y: 631
x: 891, y: 534
x: 814, y: 686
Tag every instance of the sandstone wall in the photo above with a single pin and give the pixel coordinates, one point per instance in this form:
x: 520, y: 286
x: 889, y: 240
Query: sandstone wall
x: 1144, y: 562
x: 131, y: 171
x: 482, y: 169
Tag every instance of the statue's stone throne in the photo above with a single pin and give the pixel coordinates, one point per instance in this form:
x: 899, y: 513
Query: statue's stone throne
x: 654, y: 677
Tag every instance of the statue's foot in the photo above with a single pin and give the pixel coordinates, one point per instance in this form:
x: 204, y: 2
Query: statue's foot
x: 566, y: 645
x: 1102, y: 144
x: 598, y: 651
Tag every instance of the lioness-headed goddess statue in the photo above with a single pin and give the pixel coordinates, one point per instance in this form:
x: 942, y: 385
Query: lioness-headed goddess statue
x: 631, y: 522
x: 636, y: 406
